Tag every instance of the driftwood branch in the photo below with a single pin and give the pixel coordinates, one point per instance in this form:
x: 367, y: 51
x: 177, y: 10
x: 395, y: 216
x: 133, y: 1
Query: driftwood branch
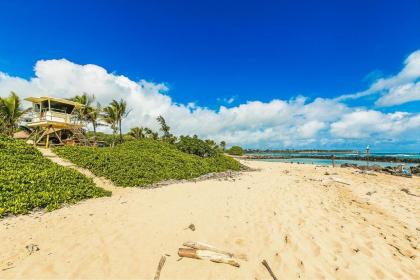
x: 159, y: 268
x: 265, y: 263
x: 207, y: 255
x: 338, y: 180
x: 202, y: 246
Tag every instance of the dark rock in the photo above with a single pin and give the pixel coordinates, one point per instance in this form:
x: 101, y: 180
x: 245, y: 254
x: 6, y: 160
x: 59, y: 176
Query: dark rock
x: 348, y: 165
x: 375, y: 167
x: 415, y: 170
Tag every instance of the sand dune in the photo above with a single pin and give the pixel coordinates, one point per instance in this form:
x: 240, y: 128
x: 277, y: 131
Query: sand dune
x: 304, y: 223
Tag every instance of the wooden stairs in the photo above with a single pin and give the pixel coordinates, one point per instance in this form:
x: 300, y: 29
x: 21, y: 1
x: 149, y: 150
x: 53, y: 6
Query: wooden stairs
x: 81, y: 138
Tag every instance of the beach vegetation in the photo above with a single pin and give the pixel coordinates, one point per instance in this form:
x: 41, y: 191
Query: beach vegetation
x: 11, y: 113
x: 121, y: 112
x: 222, y: 145
x: 195, y: 146
x: 110, y: 117
x: 164, y: 127
x: 89, y: 113
x: 150, y: 134
x: 137, y: 133
x: 29, y: 181
x: 235, y: 151
x: 145, y: 162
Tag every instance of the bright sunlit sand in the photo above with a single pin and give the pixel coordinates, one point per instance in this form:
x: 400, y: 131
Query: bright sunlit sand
x: 172, y: 140
x: 306, y: 221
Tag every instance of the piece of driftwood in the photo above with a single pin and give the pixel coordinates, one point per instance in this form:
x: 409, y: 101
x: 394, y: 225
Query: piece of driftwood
x: 159, y: 268
x: 204, y: 246
x: 207, y: 255
x: 265, y: 264
x: 338, y: 180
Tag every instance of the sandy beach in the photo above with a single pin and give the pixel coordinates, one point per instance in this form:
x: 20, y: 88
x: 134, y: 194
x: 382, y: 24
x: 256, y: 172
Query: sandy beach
x: 306, y: 223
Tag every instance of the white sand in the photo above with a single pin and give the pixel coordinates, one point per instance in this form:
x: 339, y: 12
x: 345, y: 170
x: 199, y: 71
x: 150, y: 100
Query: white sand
x: 298, y: 219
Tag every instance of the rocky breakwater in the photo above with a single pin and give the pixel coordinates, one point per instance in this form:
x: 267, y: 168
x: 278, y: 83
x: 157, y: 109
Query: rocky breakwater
x: 397, y: 170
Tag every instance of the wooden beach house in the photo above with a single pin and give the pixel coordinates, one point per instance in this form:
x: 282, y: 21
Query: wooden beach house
x: 56, y: 120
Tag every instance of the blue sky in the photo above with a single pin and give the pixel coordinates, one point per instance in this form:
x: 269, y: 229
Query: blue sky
x: 225, y: 53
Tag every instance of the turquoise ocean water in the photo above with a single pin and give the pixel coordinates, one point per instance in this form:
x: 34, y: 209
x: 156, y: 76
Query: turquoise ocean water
x: 338, y: 161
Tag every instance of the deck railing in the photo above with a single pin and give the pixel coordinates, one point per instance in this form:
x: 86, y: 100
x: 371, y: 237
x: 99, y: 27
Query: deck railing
x: 54, y: 116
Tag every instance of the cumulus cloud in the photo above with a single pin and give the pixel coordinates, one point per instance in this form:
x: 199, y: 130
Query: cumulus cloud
x: 400, y: 95
x: 297, y: 122
x: 398, y: 89
x: 367, y: 124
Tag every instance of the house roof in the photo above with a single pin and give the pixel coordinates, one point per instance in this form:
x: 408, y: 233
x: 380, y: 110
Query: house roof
x: 58, y: 100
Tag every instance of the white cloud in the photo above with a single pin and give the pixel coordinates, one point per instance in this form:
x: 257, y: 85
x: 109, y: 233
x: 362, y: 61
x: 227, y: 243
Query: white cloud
x: 278, y: 123
x: 398, y: 89
x: 400, y: 95
x: 367, y: 124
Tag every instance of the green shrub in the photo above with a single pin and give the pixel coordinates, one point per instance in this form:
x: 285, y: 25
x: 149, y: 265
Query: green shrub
x: 144, y: 162
x: 236, y: 151
x: 195, y: 146
x: 28, y: 180
x: 103, y: 137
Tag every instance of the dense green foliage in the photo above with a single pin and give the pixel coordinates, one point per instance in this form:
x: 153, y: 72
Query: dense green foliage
x: 195, y: 146
x: 10, y: 113
x: 28, y: 180
x: 235, y: 151
x: 144, y: 162
x: 165, y: 128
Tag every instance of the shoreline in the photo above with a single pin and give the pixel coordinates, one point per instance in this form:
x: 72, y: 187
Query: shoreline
x: 362, y: 158
x: 303, y: 222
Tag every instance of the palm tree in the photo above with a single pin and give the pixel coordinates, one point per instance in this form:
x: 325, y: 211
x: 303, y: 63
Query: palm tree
x: 223, y: 145
x: 165, y: 128
x: 10, y: 113
x: 93, y: 116
x: 137, y: 132
x: 211, y: 143
x: 86, y: 100
x: 110, y: 116
x: 121, y: 111
x: 148, y: 133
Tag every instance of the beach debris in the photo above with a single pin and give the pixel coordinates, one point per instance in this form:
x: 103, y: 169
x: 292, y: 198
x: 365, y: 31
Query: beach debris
x: 159, y: 268
x: 338, y: 180
x: 32, y: 248
x: 7, y: 268
x: 415, y: 170
x: 407, y: 191
x: 207, y: 255
x: 267, y: 266
x: 370, y: 193
x: 191, y: 227
x: 204, y: 246
x: 202, y: 251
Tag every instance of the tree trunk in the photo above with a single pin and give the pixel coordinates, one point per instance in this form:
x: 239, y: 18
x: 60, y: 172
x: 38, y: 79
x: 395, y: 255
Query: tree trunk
x: 119, y: 124
x: 114, y: 132
x: 94, y: 131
